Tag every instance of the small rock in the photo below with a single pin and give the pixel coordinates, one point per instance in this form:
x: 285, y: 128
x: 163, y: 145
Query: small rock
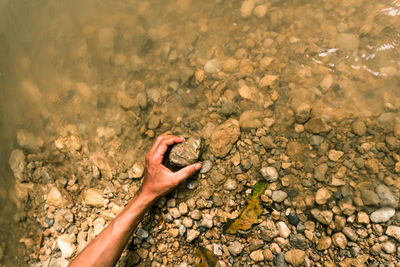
x: 317, y: 126
x: 386, y: 196
x: 175, y: 213
x: 339, y: 240
x: 320, y: 172
x: 269, y: 173
x: 235, y: 248
x: 217, y: 178
x: 359, y: 127
x: 136, y: 171
x: 302, y: 112
x: 257, y: 255
x: 141, y: 233
x: 350, y: 233
x: 251, y: 119
x: 268, y: 81
x: 284, y: 231
x: 293, y: 219
x: 212, y: 66
x: 279, y: 196
x: 389, y: 247
x: 217, y: 249
x: 298, y: 241
x: 230, y: 184
x: 326, y: 82
x: 325, y: 242
x: 98, y: 226
x: 255, y: 244
x: 372, y: 165
x: 224, y: 137
x: 362, y: 218
x: 154, y: 122
x: 192, y: 184
x: 247, y: 8
x: 183, y: 208
x: 187, y: 222
x: 192, y: 235
x: 94, y: 198
x: 17, y: 164
x: 335, y: 155
x: 66, y: 244
x: 55, y: 198
x: 230, y: 64
x: 206, y: 167
x: 260, y: 11
x: 382, y: 215
x: 295, y: 257
x: 324, y: 217
x: 322, y: 196
x: 393, y: 231
x: 279, y: 260
x: 185, y: 153
x: 316, y: 140
x: 369, y: 197
x: 207, y: 220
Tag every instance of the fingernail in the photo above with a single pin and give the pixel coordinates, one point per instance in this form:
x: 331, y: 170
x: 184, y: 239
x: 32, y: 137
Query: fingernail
x: 198, y: 166
x: 182, y: 138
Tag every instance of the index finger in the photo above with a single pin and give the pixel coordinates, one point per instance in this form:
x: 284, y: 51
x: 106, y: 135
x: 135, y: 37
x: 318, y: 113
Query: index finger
x: 163, y: 146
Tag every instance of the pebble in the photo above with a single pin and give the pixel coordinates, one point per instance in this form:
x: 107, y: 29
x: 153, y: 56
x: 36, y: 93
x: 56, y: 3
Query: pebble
x: 206, y: 167
x: 257, y: 255
x: 279, y: 260
x: 192, y: 184
x: 322, y: 196
x: 362, y: 218
x: 136, y: 171
x: 230, y: 184
x: 235, y: 248
x: 175, y: 213
x: 293, y: 219
x: 183, y: 208
x: 141, y: 233
x: 324, y: 217
x: 317, y: 126
x: 66, y: 244
x: 260, y: 11
x: 94, y: 198
x: 255, y: 244
x: 382, y: 215
x: 335, y: 155
x: 187, y: 222
x: 316, y: 140
x: 217, y: 249
x: 339, y: 240
x: 224, y: 136
x: 269, y: 173
x: 359, y: 127
x: 324, y: 242
x: 350, y: 233
x: 320, y: 172
x: 185, y: 153
x: 247, y: 8
x: 389, y: 247
x: 284, y: 231
x: 295, y: 257
x: 55, y: 198
x: 207, y: 220
x: 192, y: 235
x: 212, y: 66
x: 279, y: 196
x: 298, y: 241
x: 393, y: 231
x: 386, y: 197
x: 98, y: 226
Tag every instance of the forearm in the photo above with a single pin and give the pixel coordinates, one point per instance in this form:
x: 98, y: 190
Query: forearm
x: 107, y: 247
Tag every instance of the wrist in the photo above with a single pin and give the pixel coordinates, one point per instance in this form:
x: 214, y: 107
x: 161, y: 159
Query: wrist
x: 146, y: 197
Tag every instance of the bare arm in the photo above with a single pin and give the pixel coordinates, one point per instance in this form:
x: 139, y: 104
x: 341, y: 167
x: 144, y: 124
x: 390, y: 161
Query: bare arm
x: 107, y: 247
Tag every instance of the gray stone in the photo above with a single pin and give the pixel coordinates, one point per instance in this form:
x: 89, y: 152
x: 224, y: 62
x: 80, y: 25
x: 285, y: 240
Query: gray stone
x: 279, y: 196
x: 279, y: 260
x: 141, y: 233
x: 185, y: 153
x: 206, y: 167
x: 382, y: 215
x: 386, y: 196
x: 298, y: 241
x: 316, y: 140
x: 369, y: 197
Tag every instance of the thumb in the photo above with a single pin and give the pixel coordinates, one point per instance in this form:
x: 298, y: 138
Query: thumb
x: 188, y: 171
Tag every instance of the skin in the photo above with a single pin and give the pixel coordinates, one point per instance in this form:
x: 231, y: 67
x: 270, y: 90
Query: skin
x: 106, y: 248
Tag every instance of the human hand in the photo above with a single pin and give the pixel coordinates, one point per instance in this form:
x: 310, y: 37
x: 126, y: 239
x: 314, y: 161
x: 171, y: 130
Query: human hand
x: 158, y: 179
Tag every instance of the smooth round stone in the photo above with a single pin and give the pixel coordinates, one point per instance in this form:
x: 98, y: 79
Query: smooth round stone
x: 192, y: 184
x: 206, y: 167
x: 382, y: 215
x: 316, y: 140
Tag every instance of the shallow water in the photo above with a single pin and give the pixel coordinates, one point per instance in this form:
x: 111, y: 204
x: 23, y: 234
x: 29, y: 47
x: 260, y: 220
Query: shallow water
x: 133, y: 69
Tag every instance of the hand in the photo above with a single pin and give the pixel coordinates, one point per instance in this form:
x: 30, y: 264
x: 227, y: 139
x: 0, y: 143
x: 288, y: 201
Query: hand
x: 158, y: 179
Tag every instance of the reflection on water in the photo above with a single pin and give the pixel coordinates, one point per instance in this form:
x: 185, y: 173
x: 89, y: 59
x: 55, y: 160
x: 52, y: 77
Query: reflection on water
x: 117, y: 73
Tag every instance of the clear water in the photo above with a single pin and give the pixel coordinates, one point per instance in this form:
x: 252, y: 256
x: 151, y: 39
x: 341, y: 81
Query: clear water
x: 74, y: 62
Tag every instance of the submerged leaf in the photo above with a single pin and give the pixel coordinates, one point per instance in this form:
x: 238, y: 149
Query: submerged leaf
x: 204, y: 257
x: 249, y: 215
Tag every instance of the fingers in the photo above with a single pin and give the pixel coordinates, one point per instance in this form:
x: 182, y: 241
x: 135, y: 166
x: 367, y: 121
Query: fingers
x: 163, y: 146
x: 188, y: 171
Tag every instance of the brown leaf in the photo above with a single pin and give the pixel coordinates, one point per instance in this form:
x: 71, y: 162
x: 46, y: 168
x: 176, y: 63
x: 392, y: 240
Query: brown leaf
x: 205, y: 257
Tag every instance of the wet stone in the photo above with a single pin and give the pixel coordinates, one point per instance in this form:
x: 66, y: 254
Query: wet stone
x: 359, y: 127
x: 320, y: 172
x: 235, y: 248
x: 279, y: 196
x: 224, y: 136
x: 369, y: 197
x: 295, y: 257
x: 317, y: 126
x: 257, y: 255
x: 382, y: 215
x: 298, y: 241
x: 279, y: 260
x: 339, y: 240
x: 324, y: 217
x: 185, y: 153
x: 206, y: 167
x: 386, y: 197
x: 293, y: 219
x: 393, y: 231
x: 316, y: 140
x: 269, y: 173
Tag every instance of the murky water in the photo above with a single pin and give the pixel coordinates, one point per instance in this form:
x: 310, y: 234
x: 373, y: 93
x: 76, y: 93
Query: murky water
x: 137, y: 69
